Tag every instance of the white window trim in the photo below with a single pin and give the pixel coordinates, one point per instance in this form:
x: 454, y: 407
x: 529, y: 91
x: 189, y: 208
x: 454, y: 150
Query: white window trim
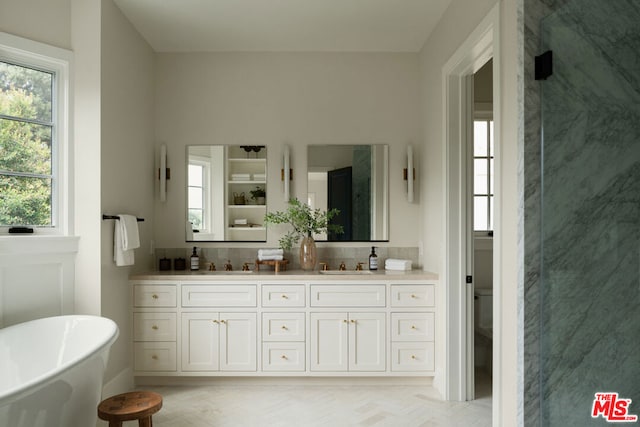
x: 30, y: 53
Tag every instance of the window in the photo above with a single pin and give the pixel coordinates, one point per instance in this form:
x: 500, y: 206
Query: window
x: 197, y: 198
x: 483, y: 175
x: 33, y: 130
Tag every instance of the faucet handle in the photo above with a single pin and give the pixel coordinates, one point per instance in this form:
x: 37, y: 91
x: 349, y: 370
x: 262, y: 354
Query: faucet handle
x: 228, y: 266
x: 212, y: 267
x: 245, y: 266
x: 342, y: 267
x: 324, y: 266
x: 359, y: 266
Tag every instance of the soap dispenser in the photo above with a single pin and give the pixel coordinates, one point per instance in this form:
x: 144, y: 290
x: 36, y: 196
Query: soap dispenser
x: 373, y: 259
x: 195, y: 260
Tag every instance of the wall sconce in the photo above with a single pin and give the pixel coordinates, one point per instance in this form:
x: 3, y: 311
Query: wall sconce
x: 409, y: 174
x: 164, y: 173
x: 287, y: 172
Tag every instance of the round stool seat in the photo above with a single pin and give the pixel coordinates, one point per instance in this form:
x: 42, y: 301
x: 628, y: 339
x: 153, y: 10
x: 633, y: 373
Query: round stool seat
x: 134, y: 405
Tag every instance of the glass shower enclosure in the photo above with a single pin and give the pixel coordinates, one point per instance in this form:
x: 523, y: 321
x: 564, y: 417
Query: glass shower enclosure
x: 590, y: 294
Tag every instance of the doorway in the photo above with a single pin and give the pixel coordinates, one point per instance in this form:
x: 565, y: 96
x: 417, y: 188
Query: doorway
x: 480, y: 194
x: 477, y: 50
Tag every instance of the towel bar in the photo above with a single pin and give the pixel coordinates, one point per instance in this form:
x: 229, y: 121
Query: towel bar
x: 117, y: 217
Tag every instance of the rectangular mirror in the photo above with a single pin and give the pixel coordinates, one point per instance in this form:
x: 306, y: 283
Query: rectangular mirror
x: 353, y: 179
x: 226, y: 193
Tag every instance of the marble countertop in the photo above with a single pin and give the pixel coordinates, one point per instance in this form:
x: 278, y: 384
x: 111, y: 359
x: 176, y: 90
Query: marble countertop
x: 332, y: 275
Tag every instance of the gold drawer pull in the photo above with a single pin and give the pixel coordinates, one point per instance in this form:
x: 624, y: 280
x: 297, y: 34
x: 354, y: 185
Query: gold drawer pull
x: 345, y: 321
x: 413, y: 327
x: 283, y: 296
x: 154, y: 327
x: 284, y: 328
x: 154, y: 357
x: 154, y: 296
x: 284, y: 357
x: 223, y: 321
x: 413, y: 357
x: 215, y: 321
x: 413, y: 296
x: 353, y: 321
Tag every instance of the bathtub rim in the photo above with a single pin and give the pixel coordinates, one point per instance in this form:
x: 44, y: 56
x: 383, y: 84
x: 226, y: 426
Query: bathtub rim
x: 37, y: 382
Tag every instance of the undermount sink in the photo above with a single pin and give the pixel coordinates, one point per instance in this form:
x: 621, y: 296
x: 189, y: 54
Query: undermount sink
x: 222, y: 272
x: 344, y: 272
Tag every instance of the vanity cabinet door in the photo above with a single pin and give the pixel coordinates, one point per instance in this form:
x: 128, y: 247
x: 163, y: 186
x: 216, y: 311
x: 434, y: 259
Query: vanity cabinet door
x: 367, y: 342
x: 200, y: 337
x: 329, y: 338
x: 238, y: 342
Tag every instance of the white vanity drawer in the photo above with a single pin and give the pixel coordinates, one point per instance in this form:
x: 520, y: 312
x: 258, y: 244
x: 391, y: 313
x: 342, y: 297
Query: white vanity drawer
x: 412, y: 356
x: 283, y: 296
x: 283, y: 327
x: 283, y: 357
x: 154, y: 356
x: 219, y: 296
x: 412, y: 326
x: 154, y: 326
x: 413, y: 296
x: 348, y: 296
x: 154, y: 295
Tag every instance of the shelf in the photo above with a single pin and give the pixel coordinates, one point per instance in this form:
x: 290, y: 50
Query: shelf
x: 241, y: 160
x: 246, y: 228
x: 246, y: 182
x: 247, y: 206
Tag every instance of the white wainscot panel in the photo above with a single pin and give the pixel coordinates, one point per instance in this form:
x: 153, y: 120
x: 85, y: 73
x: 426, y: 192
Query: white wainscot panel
x: 36, y: 278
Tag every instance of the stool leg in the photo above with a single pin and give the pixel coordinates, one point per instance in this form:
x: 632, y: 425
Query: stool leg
x: 115, y: 423
x: 145, y: 422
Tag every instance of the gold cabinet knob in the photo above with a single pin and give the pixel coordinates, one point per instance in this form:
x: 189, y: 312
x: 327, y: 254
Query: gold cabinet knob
x: 352, y: 321
x: 154, y: 357
x: 223, y: 321
x: 215, y: 321
x: 345, y: 321
x: 413, y: 296
x: 154, y: 296
x: 283, y: 296
x: 413, y: 357
x: 413, y: 327
x: 284, y: 327
x: 284, y: 357
x: 154, y: 327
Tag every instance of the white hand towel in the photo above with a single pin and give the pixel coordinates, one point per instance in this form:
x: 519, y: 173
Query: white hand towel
x: 270, y: 252
x: 125, y: 240
x: 397, y: 264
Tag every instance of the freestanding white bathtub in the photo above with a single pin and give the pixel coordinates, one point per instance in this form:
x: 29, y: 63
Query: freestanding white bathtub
x: 51, y: 370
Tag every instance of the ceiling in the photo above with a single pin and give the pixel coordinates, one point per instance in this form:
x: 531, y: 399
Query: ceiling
x: 284, y: 25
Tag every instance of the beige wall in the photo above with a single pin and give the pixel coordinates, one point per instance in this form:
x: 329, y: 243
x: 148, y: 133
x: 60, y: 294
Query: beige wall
x: 42, y: 21
x: 294, y: 98
x: 127, y: 163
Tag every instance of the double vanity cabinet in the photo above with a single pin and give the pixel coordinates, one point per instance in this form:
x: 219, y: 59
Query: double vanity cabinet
x: 289, y: 324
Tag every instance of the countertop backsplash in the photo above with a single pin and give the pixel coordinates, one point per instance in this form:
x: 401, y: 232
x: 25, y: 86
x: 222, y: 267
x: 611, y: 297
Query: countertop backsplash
x: 333, y: 256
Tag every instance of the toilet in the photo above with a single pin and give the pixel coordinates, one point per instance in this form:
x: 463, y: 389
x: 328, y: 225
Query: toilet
x: 483, y: 325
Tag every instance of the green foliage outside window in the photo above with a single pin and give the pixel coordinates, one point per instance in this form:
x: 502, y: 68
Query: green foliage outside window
x: 25, y: 146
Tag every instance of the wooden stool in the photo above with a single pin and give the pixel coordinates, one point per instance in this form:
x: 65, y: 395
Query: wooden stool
x: 135, y: 405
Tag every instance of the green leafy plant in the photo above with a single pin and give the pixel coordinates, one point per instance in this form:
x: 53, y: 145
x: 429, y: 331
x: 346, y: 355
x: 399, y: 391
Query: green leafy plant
x: 258, y: 192
x: 304, y: 220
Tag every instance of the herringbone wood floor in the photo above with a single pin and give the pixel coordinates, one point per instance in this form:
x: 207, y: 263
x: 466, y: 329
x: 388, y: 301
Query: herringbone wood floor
x: 319, y: 405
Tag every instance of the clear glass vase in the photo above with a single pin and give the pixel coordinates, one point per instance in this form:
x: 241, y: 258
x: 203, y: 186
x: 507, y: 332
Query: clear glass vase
x: 308, y: 255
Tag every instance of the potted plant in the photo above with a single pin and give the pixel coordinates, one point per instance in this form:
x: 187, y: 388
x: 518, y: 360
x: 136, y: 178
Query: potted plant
x: 305, y: 222
x: 259, y: 195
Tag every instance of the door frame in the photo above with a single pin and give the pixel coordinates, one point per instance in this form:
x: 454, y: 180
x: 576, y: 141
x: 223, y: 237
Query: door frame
x: 482, y: 45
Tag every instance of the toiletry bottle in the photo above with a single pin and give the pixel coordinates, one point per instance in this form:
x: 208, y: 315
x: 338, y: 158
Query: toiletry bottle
x: 195, y: 260
x: 373, y: 259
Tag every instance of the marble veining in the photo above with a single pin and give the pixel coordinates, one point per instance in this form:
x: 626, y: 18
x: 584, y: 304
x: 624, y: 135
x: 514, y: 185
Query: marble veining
x: 590, y: 278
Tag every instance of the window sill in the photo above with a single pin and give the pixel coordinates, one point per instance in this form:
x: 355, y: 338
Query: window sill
x: 37, y: 244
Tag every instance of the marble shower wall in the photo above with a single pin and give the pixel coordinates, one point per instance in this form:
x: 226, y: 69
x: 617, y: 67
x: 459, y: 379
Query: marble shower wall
x: 584, y: 297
